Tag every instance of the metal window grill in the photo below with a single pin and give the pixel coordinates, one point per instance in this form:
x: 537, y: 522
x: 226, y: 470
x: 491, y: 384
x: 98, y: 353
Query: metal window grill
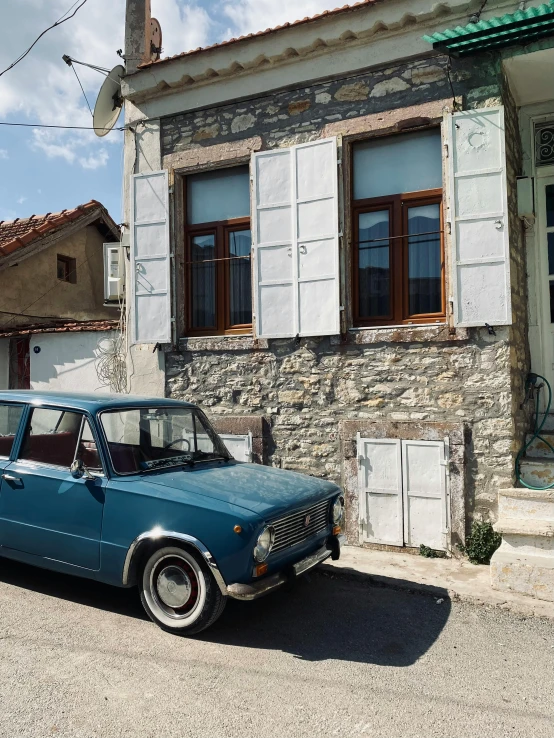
x: 544, y: 144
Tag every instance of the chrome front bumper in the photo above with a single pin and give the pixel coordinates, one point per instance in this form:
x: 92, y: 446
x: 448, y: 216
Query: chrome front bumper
x: 263, y: 586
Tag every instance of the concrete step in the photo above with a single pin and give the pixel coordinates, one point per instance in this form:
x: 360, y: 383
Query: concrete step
x: 537, y: 472
x: 525, y: 527
x: 538, y: 448
x: 531, y: 575
x: 526, y: 504
x: 549, y: 423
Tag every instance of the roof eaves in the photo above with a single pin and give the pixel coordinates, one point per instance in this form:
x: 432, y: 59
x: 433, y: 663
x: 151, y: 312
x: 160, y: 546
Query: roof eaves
x: 52, y: 222
x: 241, y: 39
x: 69, y: 326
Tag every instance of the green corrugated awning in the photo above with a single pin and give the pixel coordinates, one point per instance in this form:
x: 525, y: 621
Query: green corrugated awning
x: 523, y: 26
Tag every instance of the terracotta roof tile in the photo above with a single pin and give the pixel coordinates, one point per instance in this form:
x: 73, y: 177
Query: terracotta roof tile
x: 335, y: 11
x: 61, y: 327
x: 15, y: 234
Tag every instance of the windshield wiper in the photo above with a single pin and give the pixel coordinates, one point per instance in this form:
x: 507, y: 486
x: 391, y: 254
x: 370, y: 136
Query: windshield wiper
x: 208, y: 456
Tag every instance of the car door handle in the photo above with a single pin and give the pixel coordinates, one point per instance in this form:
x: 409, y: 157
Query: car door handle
x: 10, y: 478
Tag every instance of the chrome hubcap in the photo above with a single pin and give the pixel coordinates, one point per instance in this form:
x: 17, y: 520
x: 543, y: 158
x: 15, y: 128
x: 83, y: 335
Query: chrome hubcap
x: 174, y: 586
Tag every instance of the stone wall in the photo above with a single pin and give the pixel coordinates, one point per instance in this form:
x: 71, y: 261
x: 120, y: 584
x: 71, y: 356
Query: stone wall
x: 299, y: 114
x: 306, y: 389
x: 520, y: 356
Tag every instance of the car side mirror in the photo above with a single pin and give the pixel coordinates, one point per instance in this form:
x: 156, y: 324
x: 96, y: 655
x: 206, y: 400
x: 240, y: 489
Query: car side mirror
x: 78, y: 470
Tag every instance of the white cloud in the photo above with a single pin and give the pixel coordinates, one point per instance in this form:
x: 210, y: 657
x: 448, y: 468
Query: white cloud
x: 249, y: 16
x: 95, y: 161
x: 50, y: 144
x: 43, y: 89
x: 21, y: 200
x: 184, y: 26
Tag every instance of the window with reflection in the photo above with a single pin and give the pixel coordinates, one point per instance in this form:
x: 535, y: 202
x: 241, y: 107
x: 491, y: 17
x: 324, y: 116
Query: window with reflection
x: 218, y: 258
x: 398, y: 256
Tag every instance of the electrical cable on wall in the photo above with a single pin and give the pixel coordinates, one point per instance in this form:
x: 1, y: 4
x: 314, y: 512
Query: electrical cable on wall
x: 111, y: 364
x: 476, y: 17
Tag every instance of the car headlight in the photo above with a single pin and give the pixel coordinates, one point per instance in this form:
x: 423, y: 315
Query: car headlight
x: 338, y: 511
x: 264, y: 544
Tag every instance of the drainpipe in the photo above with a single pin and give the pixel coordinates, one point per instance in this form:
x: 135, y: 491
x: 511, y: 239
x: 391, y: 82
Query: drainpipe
x: 137, y: 28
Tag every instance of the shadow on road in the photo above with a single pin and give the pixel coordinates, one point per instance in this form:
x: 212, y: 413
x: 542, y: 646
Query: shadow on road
x: 320, y: 618
x: 323, y: 618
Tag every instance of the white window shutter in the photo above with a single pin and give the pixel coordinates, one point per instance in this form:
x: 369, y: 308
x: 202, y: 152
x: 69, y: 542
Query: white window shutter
x: 424, y: 490
x: 479, y: 217
x: 150, y: 261
x: 380, y: 484
x: 295, y: 233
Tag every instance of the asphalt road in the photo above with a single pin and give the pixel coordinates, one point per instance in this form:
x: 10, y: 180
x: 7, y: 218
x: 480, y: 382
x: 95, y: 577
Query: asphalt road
x: 331, y: 657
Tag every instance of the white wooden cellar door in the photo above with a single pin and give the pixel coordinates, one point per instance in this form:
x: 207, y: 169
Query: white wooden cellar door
x: 403, y: 492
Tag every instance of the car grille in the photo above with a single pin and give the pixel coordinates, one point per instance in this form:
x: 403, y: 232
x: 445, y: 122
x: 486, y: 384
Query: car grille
x: 292, y: 529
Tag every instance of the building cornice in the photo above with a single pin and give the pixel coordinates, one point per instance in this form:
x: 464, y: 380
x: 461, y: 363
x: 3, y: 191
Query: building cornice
x: 362, y: 38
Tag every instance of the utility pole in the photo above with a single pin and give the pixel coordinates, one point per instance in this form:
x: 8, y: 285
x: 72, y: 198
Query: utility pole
x: 137, y: 27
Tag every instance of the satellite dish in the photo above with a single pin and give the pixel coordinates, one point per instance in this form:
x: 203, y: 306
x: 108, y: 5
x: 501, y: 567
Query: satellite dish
x: 109, y: 102
x: 155, y: 40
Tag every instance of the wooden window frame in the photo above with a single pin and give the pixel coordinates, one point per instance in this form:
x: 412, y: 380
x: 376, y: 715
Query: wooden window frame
x: 70, y: 267
x: 398, y: 206
x: 220, y: 230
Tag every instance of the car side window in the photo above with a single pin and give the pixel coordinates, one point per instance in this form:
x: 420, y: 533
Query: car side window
x: 87, y: 451
x: 10, y: 417
x: 51, y: 437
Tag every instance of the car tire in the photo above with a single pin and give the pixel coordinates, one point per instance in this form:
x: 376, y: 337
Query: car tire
x: 179, y: 592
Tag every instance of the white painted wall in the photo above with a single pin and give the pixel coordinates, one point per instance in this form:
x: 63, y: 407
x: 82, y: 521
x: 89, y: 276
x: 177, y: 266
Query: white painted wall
x: 66, y: 361
x: 4, y: 362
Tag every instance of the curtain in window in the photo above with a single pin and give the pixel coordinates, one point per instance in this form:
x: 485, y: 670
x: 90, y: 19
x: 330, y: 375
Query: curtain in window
x: 240, y: 245
x: 373, y: 265
x: 424, y: 260
x: 203, y: 281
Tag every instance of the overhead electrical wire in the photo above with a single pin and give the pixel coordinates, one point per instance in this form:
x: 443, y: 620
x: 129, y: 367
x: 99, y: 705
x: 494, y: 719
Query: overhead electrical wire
x: 67, y: 128
x: 41, y: 317
x: 82, y: 90
x: 65, y: 17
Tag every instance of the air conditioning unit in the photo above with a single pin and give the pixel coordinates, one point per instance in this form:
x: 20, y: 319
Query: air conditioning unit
x: 114, y: 273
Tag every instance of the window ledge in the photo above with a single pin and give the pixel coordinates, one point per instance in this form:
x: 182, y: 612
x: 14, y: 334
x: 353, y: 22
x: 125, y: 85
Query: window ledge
x: 222, y: 343
x: 404, y: 334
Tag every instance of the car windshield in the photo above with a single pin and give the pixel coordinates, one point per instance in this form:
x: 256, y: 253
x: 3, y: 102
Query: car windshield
x: 142, y: 439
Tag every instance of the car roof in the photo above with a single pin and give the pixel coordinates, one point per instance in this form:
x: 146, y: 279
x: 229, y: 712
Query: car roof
x: 91, y: 402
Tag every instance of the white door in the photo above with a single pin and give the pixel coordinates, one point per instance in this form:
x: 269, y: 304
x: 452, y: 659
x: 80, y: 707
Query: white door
x: 239, y: 446
x: 545, y: 241
x: 403, y: 492
x: 424, y: 492
x: 380, y: 477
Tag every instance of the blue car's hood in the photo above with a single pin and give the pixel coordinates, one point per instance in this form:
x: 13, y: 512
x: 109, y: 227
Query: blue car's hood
x: 260, y: 489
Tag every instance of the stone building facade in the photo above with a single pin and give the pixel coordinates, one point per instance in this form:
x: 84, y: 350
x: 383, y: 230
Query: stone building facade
x: 308, y: 400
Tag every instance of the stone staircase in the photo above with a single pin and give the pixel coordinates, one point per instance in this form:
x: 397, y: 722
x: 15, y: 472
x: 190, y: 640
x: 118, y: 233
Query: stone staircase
x: 524, y: 562
x: 537, y: 467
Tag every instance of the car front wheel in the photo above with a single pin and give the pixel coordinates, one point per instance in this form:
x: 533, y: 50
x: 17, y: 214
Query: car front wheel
x: 178, y: 591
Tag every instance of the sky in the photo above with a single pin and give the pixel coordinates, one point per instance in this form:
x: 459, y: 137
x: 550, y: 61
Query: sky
x: 43, y: 170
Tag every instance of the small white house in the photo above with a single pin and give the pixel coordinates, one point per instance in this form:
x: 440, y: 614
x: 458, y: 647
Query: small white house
x: 62, y: 281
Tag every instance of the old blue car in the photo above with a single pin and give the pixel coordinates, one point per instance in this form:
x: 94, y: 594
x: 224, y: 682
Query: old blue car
x: 142, y: 491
